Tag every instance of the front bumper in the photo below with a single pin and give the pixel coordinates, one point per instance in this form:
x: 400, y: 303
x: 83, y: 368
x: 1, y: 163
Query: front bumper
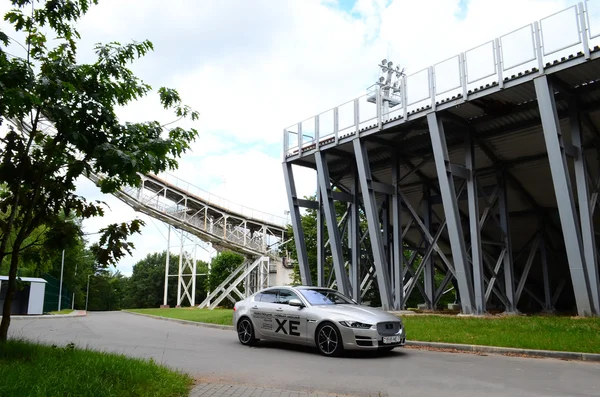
x: 370, y: 339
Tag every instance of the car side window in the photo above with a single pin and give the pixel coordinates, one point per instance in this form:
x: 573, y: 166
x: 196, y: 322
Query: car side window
x: 269, y: 296
x: 285, y: 296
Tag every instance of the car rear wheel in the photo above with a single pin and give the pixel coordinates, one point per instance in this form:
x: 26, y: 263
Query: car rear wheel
x: 329, y: 340
x: 245, y: 332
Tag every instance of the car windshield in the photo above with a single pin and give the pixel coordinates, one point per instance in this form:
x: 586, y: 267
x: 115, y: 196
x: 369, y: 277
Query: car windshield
x: 325, y: 297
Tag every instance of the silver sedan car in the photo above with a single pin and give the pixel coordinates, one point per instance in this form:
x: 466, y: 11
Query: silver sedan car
x: 315, y: 316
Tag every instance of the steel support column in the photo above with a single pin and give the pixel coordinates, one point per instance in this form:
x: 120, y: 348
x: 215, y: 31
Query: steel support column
x: 508, y: 266
x: 475, y: 229
x: 335, y: 241
x: 368, y: 194
x: 448, y: 193
x: 564, y: 195
x: 585, y: 208
x: 294, y: 206
x: 429, y: 270
x: 398, y: 246
x: 320, y: 241
x: 355, y: 239
x: 543, y: 254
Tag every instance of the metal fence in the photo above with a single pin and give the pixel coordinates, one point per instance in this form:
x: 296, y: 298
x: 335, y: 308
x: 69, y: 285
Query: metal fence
x: 51, y: 295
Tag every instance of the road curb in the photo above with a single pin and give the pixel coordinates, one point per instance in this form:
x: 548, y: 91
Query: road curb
x: 77, y: 313
x: 509, y: 351
x: 575, y: 356
x: 188, y: 322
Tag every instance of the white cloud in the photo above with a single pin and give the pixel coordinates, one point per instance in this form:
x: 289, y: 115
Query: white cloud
x: 254, y: 68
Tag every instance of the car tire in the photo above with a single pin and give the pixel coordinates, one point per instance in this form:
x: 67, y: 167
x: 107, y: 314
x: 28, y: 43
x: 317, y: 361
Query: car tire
x: 329, y: 340
x: 245, y: 331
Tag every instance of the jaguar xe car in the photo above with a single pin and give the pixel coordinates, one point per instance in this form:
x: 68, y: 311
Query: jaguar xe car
x: 315, y: 316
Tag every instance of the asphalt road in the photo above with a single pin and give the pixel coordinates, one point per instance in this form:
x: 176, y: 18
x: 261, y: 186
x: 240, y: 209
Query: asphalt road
x: 216, y: 354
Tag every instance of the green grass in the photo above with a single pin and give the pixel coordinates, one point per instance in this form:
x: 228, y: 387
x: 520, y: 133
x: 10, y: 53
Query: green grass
x: 530, y: 332
x: 29, y: 369
x: 527, y: 332
x: 63, y: 311
x: 216, y: 316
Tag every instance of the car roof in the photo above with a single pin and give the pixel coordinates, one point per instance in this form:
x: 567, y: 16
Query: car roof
x: 297, y: 287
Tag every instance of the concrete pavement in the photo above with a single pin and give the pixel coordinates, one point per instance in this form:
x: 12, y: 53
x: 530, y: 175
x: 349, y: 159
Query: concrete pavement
x: 215, y: 357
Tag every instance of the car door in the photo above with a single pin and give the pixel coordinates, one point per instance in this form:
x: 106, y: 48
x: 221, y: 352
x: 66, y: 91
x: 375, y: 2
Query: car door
x: 290, y: 321
x: 263, y: 311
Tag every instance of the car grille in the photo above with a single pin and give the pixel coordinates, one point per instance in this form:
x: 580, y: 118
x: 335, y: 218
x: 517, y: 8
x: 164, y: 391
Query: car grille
x: 388, y: 328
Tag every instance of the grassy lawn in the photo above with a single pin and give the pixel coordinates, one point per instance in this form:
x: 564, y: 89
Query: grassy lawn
x: 531, y: 332
x: 216, y: 316
x: 29, y: 369
x: 63, y: 311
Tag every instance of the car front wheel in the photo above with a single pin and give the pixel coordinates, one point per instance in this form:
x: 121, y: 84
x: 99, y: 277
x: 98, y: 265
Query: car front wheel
x: 329, y: 340
x: 245, y: 332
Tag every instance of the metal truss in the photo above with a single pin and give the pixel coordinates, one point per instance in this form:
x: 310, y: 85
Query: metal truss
x: 490, y: 261
x: 253, y: 274
x: 578, y: 229
x: 253, y: 234
x: 187, y: 274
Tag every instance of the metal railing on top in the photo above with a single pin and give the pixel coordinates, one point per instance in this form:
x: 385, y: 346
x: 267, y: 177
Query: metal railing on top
x: 229, y: 206
x: 529, y: 49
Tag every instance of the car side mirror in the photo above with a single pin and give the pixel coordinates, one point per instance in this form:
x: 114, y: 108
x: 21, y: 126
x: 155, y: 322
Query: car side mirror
x: 295, y: 302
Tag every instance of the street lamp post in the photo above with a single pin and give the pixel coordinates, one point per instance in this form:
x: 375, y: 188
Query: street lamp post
x: 73, y: 299
x: 62, y: 268
x: 87, y: 293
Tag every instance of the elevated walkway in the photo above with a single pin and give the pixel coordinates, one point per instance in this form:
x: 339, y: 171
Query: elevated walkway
x: 224, y: 224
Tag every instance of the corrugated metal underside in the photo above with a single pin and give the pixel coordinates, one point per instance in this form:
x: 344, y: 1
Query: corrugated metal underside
x: 507, y: 128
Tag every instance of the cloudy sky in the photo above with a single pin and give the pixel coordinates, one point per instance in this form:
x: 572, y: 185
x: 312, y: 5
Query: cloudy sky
x: 252, y: 68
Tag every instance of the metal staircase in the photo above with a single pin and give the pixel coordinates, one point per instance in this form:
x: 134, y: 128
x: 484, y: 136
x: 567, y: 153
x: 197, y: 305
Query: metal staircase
x: 254, y: 275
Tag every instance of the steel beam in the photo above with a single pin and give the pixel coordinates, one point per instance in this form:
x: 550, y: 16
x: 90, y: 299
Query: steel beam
x: 398, y: 244
x: 299, y: 239
x: 448, y: 192
x: 355, y: 238
x: 543, y: 254
x: 585, y: 207
x: 508, y: 266
x: 368, y: 194
x: 429, y: 270
x: 335, y: 241
x: 564, y: 195
x: 475, y: 226
x: 320, y: 239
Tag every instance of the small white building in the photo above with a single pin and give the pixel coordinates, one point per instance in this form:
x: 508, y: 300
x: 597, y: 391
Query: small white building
x: 29, y: 300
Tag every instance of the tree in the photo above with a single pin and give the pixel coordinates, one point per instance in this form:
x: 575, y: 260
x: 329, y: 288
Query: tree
x: 147, y: 282
x: 107, y: 291
x: 61, y: 125
x: 221, y: 266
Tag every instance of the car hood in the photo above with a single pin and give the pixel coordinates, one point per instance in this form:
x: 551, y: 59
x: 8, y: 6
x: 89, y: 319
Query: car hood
x: 358, y: 313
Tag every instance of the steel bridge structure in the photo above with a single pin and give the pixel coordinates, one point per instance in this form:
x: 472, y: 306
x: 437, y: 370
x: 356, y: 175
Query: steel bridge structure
x: 484, y: 165
x: 196, y: 214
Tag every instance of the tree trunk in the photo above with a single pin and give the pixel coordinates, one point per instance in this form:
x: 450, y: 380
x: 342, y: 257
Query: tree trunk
x: 12, y: 287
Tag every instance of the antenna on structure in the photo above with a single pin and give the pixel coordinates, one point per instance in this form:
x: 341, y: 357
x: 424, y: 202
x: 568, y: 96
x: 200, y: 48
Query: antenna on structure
x: 389, y: 85
x: 389, y: 80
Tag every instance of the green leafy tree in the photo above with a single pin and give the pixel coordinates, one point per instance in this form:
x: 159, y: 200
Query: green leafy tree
x: 107, y: 291
x: 61, y: 125
x: 147, y: 282
x: 221, y: 266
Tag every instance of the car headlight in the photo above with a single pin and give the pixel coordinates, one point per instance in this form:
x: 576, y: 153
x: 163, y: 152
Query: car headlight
x: 355, y: 324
